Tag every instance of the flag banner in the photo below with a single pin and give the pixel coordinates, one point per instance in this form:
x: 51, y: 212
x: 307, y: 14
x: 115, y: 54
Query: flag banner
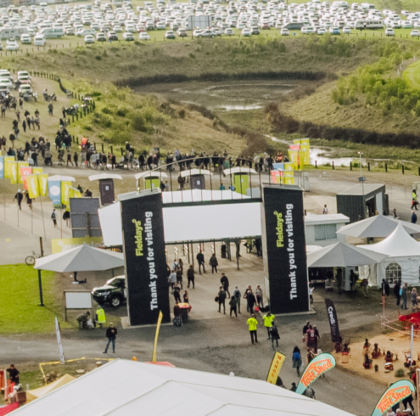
x: 294, y: 158
x: 304, y: 151
x: 159, y: 323
x: 13, y: 172
x: 60, y: 344
x: 305, y: 142
x: 276, y: 176
x: 395, y: 393
x: 297, y: 141
x: 278, y: 166
x: 43, y: 184
x: 21, y: 165
x: 37, y: 169
x: 289, y: 166
x: 275, y: 367
x: 1, y: 167
x: 65, y: 192
x: 318, y: 366
x: 25, y: 171
x: 7, y: 160
x: 294, y: 147
x: 54, y: 192
x: 33, y: 187
x: 332, y: 317
x: 288, y: 180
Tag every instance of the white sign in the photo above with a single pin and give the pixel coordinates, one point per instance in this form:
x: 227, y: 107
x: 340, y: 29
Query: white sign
x: 78, y: 300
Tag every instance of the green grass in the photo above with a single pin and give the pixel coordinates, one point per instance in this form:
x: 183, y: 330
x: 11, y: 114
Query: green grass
x: 412, y: 74
x: 19, y: 300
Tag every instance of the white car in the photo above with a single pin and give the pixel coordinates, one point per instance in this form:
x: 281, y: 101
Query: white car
x: 128, y: 36
x: 4, y: 89
x: 22, y: 74
x: 415, y: 33
x: 229, y: 32
x: 321, y: 31
x: 246, y: 32
x: 6, y: 82
x: 144, y: 36
x: 39, y: 40
x: 389, y: 32
x: 69, y: 31
x: 12, y: 45
x: 89, y: 39
x: 346, y: 30
x: 100, y: 37
x: 25, y: 89
x: 284, y: 32
x: 25, y: 39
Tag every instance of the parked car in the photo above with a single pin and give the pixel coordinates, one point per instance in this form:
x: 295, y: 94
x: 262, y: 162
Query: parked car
x: 170, y: 34
x: 6, y: 82
x: 128, y: 36
x: 100, y: 37
x: 25, y: 39
x: 415, y: 33
x: 346, y: 30
x: 89, y: 39
x: 182, y: 33
x: 12, y: 45
x: 112, y: 35
x: 389, y: 32
x: 321, y: 31
x: 229, y: 32
x: 334, y: 30
x: 39, y: 40
x: 246, y: 32
x: 144, y: 36
x: 284, y: 32
x: 113, y: 292
x: 255, y: 30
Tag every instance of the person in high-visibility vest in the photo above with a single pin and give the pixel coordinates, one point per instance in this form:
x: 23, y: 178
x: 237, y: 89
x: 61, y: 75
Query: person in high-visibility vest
x: 268, y: 321
x: 252, y: 325
x: 100, y: 316
x: 414, y: 201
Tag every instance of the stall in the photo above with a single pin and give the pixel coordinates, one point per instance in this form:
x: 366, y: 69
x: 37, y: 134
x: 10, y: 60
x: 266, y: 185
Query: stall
x: 197, y: 180
x: 152, y: 179
x: 241, y: 178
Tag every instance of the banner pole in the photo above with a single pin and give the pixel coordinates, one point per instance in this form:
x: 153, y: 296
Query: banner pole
x: 159, y: 322
x: 4, y: 198
x: 18, y: 209
x: 32, y: 217
x: 43, y: 219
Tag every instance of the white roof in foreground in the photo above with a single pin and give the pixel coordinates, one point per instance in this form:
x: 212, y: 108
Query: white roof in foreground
x: 124, y: 387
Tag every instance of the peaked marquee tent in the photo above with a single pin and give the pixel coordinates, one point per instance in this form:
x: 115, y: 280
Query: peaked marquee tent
x: 402, y: 259
x: 124, y: 387
x: 376, y: 227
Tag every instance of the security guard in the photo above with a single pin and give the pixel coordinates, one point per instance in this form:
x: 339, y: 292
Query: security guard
x: 414, y: 201
x: 100, y: 316
x: 268, y: 321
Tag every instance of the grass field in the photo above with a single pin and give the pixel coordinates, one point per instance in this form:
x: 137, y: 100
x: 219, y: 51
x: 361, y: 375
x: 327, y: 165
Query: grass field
x: 412, y: 74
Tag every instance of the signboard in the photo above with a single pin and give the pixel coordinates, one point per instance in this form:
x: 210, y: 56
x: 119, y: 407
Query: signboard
x: 78, y: 300
x: 318, y: 366
x: 62, y: 244
x: 145, y: 261
x: 283, y: 236
x: 332, y: 318
x: 395, y: 393
x: 275, y: 367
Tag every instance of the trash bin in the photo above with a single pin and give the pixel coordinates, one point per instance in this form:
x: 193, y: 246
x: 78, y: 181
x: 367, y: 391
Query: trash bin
x: 223, y: 251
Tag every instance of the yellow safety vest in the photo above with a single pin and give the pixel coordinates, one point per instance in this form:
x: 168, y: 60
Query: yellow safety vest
x: 101, y: 316
x: 252, y: 324
x: 268, y: 320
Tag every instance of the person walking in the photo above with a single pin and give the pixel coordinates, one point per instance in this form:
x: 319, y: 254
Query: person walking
x: 297, y: 360
x: 252, y: 326
x: 177, y: 293
x: 250, y: 299
x: 237, y: 294
x: 268, y: 319
x: 75, y: 158
x: 222, y: 299
x: 325, y: 209
x: 111, y: 334
x: 317, y: 337
x: 404, y: 295
x: 172, y: 280
x: 274, y: 333
x: 413, y: 217
x: 364, y: 284
x: 233, y: 306
x: 414, y: 201
x: 385, y: 288
x: 54, y: 217
x: 190, y: 276
x: 408, y: 401
x: 200, y: 260
x: 259, y: 295
x: 225, y: 282
x: 397, y: 289
x: 414, y: 302
x: 19, y: 198
x: 213, y: 263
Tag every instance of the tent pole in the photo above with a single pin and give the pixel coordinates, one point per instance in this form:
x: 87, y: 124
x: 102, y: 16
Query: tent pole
x: 41, y: 300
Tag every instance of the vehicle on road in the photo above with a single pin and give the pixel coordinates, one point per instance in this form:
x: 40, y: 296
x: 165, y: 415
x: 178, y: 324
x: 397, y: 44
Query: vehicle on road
x: 113, y: 291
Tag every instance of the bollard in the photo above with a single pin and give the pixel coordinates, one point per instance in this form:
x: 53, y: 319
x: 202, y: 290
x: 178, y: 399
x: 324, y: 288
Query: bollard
x: 112, y: 152
x: 333, y: 164
x: 103, y: 151
x: 316, y: 165
x: 386, y: 168
x: 402, y: 168
x: 351, y: 166
x: 369, y: 166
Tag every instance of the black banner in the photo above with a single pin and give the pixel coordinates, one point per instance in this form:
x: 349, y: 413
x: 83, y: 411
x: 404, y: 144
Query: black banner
x: 284, y: 248
x: 332, y: 318
x: 145, y: 262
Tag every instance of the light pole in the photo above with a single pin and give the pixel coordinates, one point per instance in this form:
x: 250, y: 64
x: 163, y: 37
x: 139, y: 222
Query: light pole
x: 362, y: 179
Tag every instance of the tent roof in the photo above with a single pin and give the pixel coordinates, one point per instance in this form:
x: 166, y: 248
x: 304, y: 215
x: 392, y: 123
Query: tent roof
x: 342, y: 255
x: 239, y: 169
x: 42, y: 391
x: 105, y: 176
x: 81, y: 259
x: 191, y: 172
x: 151, y: 174
x: 62, y: 178
x: 398, y: 244
x: 124, y: 387
x: 376, y: 227
x: 201, y: 195
x: 357, y: 190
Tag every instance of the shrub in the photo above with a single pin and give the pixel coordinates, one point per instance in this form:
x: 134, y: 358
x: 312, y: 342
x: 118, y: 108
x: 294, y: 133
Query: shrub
x: 138, y: 122
x: 400, y: 372
x: 182, y: 113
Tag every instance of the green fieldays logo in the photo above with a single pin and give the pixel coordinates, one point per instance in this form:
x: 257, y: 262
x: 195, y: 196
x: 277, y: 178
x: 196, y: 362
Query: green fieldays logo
x: 279, y: 229
x: 138, y: 238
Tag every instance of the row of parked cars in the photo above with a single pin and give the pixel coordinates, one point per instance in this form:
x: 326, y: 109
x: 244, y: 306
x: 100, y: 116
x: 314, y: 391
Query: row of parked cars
x: 23, y: 82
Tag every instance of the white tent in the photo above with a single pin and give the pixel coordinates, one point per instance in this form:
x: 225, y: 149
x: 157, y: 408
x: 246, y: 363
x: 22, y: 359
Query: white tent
x: 402, y: 261
x: 124, y: 387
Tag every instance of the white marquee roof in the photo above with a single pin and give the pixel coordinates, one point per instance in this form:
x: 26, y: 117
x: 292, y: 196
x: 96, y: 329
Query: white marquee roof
x: 124, y: 387
x: 397, y: 244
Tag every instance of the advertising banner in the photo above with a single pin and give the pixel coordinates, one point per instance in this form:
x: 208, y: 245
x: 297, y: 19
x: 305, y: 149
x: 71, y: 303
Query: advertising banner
x: 145, y: 261
x: 284, y: 243
x: 289, y: 180
x: 13, y: 172
x: 54, y: 192
x: 304, y: 151
x: 21, y: 165
x: 25, y: 171
x: 395, y: 393
x: 43, y: 184
x: 62, y: 244
x: 318, y: 366
x: 294, y: 159
x: 289, y: 166
x: 332, y: 318
x: 33, y: 186
x: 275, y: 367
x: 278, y: 166
x: 276, y: 176
x: 65, y: 192
x: 7, y: 160
x: 294, y: 147
x: 37, y: 169
x: 1, y: 167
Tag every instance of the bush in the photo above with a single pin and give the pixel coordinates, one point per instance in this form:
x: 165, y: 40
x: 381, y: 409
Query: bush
x: 400, y: 372
x: 138, y: 122
x: 182, y: 113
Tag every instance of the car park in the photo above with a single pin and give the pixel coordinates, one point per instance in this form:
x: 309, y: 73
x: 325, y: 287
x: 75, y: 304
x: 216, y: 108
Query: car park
x: 389, y: 32
x: 113, y: 292
x: 128, y: 36
x: 170, y: 34
x: 12, y: 45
